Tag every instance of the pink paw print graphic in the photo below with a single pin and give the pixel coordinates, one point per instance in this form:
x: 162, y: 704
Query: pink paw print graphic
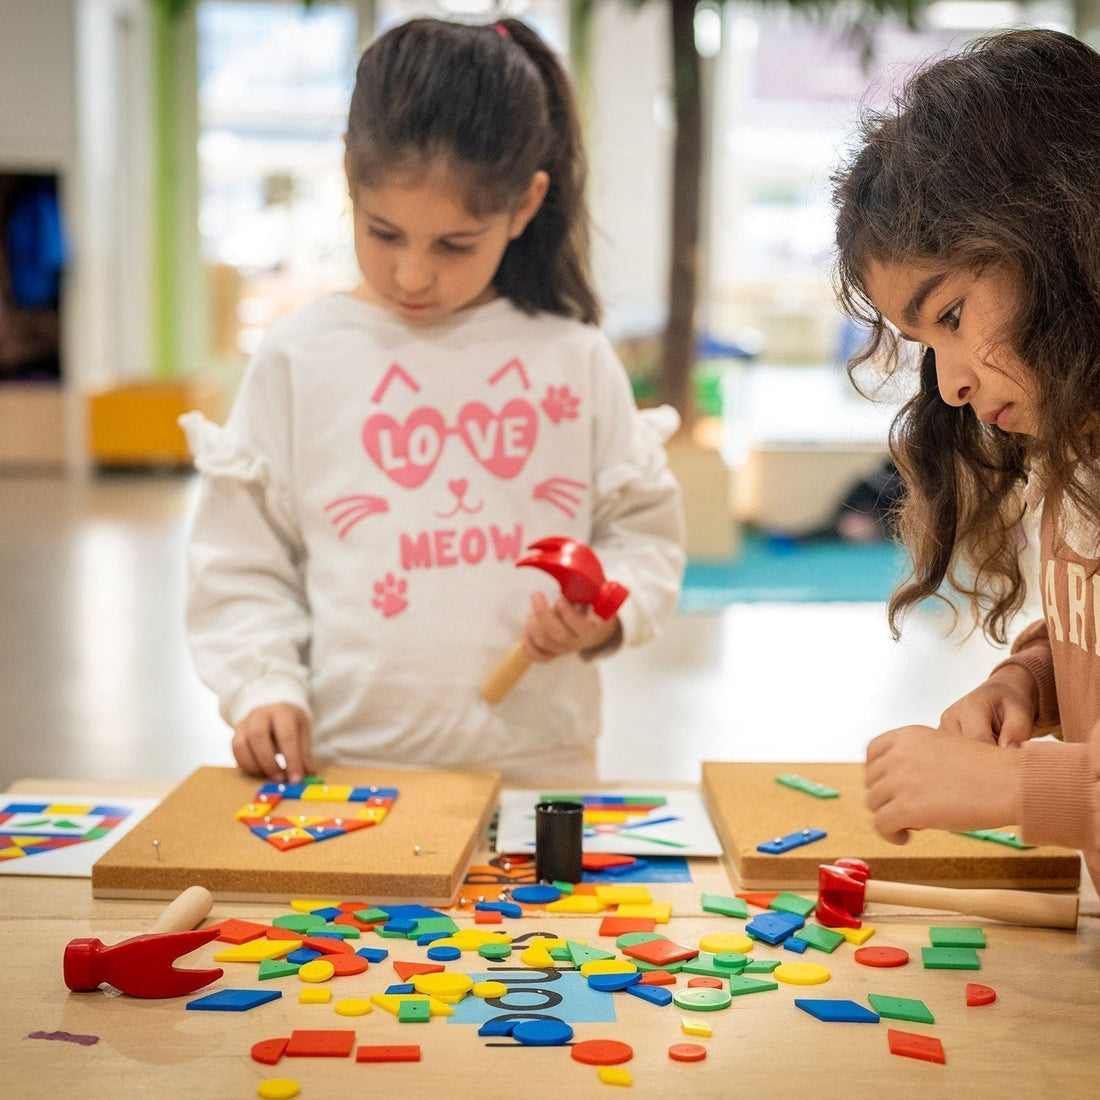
x: 559, y: 404
x: 389, y: 595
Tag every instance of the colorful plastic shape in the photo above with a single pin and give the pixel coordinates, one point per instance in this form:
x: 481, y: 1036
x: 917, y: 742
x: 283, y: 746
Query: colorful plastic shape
x: 269, y: 1051
x: 950, y: 958
x: 926, y: 1048
x: 614, y: 1075
x: 277, y: 1088
x: 390, y: 1052
x: 977, y: 995
x: 1010, y: 840
x: 314, y: 995
x: 786, y: 902
x: 824, y: 939
x: 780, y: 844
x: 601, y: 1052
x: 234, y: 930
x: 314, y: 1043
x: 414, y: 1012
x: 613, y: 983
x: 661, y: 952
x: 881, y: 956
x: 946, y: 936
x: 806, y: 786
x: 901, y: 1008
x: 773, y: 928
x: 233, y: 1000
x: 726, y: 906
x: 535, y: 895
x: 687, y: 1052
x: 542, y: 1033
x: 703, y: 1000
x: 837, y: 1011
x: 655, y: 994
x: 800, y: 973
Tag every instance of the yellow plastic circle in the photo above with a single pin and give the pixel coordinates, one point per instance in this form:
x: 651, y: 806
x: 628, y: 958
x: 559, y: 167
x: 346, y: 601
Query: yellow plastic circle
x: 353, y: 1006
x: 318, y: 970
x: 443, y: 984
x: 489, y: 989
x: 796, y: 973
x: 717, y: 942
x: 277, y: 1088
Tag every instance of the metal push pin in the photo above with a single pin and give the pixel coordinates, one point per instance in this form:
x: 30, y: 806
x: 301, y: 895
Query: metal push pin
x: 156, y: 848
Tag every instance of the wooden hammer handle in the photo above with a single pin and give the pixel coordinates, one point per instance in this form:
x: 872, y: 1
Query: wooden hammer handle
x: 185, y: 911
x: 506, y: 675
x: 1013, y: 906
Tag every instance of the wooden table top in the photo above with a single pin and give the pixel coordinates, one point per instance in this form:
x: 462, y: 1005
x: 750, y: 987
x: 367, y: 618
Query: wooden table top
x: 1038, y: 1039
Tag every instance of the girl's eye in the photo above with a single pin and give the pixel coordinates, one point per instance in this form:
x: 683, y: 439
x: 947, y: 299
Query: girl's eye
x: 382, y: 234
x: 454, y: 246
x: 951, y: 318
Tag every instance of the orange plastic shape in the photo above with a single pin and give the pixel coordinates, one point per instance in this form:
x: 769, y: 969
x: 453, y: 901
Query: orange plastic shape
x: 310, y: 1043
x: 925, y: 1048
x: 389, y: 1053
x: 269, y: 1051
x: 687, y: 1052
x: 602, y: 1052
x: 979, y: 994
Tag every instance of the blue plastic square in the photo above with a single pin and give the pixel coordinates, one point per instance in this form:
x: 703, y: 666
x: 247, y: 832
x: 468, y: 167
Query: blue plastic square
x: 373, y: 954
x: 773, y: 927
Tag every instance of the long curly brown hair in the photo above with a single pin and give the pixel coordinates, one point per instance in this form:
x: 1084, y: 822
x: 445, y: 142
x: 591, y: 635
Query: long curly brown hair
x: 987, y: 160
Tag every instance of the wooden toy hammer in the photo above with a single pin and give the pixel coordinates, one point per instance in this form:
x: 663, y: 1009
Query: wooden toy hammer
x: 578, y: 571
x: 844, y: 886
x: 142, y: 966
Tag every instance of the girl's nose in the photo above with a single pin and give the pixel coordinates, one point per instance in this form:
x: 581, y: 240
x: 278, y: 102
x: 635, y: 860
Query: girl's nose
x: 956, y: 382
x: 413, y: 275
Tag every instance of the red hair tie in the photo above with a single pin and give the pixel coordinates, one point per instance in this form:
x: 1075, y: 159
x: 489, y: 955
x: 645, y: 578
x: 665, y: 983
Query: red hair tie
x: 502, y: 30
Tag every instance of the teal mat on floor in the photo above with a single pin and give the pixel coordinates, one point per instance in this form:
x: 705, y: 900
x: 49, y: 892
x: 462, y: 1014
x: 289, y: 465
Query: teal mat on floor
x: 770, y: 570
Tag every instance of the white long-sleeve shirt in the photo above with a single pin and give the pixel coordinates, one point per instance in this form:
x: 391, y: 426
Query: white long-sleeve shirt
x: 353, y: 550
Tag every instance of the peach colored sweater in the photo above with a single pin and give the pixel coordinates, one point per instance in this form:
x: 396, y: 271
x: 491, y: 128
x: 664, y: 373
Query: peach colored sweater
x: 1059, y: 800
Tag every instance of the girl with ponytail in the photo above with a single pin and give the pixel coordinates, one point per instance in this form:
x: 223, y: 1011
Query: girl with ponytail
x: 394, y: 449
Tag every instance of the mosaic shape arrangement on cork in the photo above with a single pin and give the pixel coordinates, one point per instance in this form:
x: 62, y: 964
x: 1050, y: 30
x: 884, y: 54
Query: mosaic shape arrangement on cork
x: 420, y: 852
x: 754, y: 803
x: 367, y: 805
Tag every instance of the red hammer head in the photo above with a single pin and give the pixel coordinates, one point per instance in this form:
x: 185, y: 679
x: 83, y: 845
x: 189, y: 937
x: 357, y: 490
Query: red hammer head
x: 140, y: 966
x: 840, y: 892
x: 578, y: 571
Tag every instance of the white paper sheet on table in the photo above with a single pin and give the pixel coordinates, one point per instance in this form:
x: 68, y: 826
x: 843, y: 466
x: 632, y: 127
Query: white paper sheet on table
x: 58, y: 818
x: 680, y: 826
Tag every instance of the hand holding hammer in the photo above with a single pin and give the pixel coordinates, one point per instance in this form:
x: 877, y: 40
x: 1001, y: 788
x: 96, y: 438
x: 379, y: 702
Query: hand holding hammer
x: 578, y: 571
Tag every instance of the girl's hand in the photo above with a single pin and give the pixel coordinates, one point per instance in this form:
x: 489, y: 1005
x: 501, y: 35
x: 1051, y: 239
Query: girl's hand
x: 921, y: 778
x: 280, y: 728
x: 999, y: 712
x: 564, y: 628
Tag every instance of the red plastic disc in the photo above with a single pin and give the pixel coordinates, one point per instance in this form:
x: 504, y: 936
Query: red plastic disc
x: 706, y: 983
x: 602, y: 1052
x: 882, y: 956
x: 687, y: 1052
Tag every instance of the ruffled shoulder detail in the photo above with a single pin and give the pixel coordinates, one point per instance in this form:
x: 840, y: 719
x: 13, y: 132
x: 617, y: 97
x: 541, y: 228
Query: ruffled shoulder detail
x: 218, y: 455
x: 647, y: 461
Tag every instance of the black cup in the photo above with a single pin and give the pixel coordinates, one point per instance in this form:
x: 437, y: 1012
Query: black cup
x: 558, y: 830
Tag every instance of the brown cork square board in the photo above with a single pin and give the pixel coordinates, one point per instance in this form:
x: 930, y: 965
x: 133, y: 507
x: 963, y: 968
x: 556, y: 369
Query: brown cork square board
x: 749, y: 807
x: 418, y: 853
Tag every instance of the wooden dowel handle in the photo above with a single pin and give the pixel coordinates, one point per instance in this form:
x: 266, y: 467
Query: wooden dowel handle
x: 185, y: 911
x: 1013, y: 906
x: 505, y: 676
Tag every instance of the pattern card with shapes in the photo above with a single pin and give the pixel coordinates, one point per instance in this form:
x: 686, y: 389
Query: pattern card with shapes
x: 283, y: 830
x: 652, y: 823
x: 63, y: 835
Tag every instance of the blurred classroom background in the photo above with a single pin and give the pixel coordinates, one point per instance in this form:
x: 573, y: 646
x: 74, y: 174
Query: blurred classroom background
x: 171, y: 182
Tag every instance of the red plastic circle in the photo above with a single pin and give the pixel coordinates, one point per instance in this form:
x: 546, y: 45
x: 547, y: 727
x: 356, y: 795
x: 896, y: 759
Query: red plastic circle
x: 706, y: 983
x: 344, y: 965
x: 602, y: 1052
x: 882, y: 956
x: 687, y: 1052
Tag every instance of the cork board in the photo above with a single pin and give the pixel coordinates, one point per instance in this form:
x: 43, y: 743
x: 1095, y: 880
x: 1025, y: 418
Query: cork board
x: 748, y: 807
x: 445, y: 814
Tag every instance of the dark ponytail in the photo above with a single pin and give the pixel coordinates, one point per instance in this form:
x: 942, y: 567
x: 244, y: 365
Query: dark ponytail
x: 495, y: 105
